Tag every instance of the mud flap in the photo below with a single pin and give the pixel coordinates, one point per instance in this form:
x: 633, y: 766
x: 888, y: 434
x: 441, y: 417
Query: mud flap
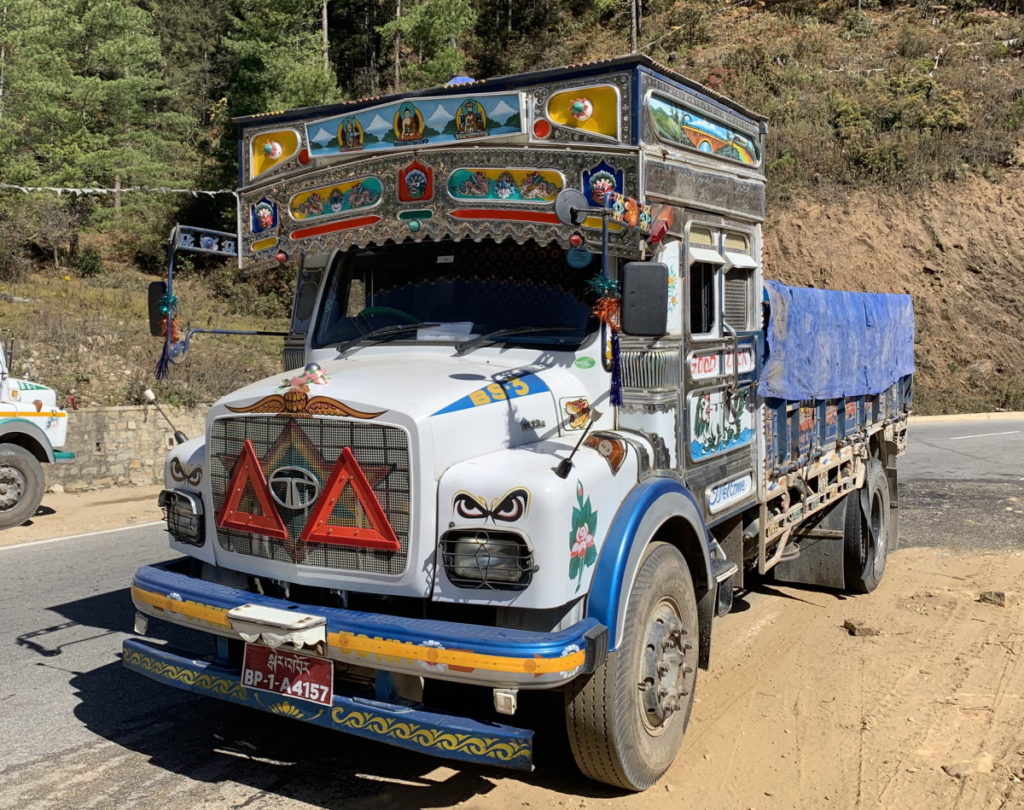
x: 820, y: 561
x: 894, y: 509
x: 705, y: 613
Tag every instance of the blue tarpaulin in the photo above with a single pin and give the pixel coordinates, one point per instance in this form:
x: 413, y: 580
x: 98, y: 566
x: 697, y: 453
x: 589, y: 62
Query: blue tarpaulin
x: 825, y: 344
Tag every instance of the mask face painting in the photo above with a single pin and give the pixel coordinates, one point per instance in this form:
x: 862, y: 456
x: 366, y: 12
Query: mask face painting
x: 507, y: 508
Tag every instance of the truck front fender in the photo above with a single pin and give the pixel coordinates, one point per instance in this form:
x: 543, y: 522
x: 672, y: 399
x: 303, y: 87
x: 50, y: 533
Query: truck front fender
x: 657, y: 507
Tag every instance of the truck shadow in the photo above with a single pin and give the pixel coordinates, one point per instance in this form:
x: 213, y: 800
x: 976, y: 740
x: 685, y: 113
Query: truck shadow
x: 206, y: 740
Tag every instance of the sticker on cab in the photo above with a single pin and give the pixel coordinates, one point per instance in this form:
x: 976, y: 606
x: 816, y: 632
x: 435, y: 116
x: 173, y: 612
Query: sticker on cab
x: 498, y: 391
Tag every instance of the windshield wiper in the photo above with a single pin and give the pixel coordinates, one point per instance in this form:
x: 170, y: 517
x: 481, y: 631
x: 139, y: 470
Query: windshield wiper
x: 381, y: 333
x: 494, y: 337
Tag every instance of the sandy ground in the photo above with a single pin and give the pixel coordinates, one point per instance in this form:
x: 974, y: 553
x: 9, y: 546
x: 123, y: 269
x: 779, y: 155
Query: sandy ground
x: 797, y: 713
x: 69, y: 513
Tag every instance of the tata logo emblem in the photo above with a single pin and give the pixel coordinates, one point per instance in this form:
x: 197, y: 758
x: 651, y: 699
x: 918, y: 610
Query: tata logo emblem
x: 293, y: 487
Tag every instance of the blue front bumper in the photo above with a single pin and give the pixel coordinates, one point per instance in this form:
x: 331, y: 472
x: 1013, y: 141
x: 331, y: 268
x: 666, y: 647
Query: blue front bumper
x: 393, y: 723
x: 496, y: 657
x: 499, y: 658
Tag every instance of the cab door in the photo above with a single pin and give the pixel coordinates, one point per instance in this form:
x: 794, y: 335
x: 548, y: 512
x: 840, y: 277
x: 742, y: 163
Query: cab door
x: 720, y: 370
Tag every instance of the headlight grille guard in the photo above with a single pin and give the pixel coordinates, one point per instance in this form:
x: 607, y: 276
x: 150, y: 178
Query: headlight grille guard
x: 487, y: 559
x: 183, y: 512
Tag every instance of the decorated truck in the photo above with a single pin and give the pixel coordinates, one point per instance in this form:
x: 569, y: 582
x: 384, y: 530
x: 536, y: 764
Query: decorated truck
x: 33, y: 428
x: 543, y: 418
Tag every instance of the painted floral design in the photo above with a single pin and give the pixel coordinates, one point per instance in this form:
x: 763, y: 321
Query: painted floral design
x: 582, y: 550
x: 287, y: 709
x: 673, y: 286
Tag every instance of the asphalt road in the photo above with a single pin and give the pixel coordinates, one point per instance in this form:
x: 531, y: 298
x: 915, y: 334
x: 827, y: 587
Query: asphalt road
x: 963, y: 484
x: 965, y: 450
x: 80, y: 731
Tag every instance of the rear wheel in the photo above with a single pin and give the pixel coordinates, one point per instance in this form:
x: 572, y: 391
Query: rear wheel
x: 21, y: 485
x: 627, y: 720
x: 866, y: 532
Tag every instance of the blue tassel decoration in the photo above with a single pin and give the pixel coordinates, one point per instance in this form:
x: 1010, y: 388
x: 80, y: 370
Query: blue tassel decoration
x: 615, y: 394
x: 163, y: 363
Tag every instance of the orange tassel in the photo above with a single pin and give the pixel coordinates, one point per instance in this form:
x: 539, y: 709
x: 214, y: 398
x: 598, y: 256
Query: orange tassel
x: 607, y: 311
x: 175, y: 330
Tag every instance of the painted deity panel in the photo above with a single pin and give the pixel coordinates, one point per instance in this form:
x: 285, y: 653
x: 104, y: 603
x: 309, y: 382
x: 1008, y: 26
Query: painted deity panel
x: 506, y: 185
x: 419, y: 122
x: 337, y: 199
x: 719, y: 422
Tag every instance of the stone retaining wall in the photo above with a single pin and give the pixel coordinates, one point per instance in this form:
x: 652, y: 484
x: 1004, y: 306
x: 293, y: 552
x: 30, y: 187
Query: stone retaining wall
x: 120, y: 446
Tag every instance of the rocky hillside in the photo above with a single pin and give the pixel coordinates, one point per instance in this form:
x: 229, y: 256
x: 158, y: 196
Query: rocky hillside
x: 958, y: 249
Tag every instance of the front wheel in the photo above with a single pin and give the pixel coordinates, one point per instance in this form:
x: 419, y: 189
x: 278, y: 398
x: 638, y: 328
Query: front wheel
x: 21, y: 485
x: 627, y: 720
x: 866, y: 532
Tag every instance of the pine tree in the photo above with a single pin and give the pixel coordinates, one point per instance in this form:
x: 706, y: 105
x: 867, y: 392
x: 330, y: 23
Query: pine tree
x: 85, y: 105
x: 274, y: 57
x: 433, y: 39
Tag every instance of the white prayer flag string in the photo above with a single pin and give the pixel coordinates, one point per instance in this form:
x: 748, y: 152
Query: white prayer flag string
x: 79, y: 192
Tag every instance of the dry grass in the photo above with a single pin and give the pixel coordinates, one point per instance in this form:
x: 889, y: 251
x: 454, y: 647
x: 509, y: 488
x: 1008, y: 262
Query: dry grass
x: 90, y: 337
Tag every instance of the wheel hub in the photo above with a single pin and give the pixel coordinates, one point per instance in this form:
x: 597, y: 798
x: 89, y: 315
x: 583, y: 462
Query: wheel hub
x: 664, y: 666
x: 12, y: 487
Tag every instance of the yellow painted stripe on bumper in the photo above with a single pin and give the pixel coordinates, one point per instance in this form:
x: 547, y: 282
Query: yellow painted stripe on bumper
x: 462, y: 659
x: 381, y: 649
x: 191, y: 610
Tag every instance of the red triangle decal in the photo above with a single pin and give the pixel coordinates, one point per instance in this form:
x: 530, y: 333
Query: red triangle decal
x: 248, y: 472
x: 380, y: 535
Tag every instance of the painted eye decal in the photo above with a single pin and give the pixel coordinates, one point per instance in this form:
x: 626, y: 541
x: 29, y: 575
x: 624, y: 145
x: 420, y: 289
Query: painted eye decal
x: 466, y: 506
x: 512, y: 506
x: 508, y: 508
x: 178, y: 473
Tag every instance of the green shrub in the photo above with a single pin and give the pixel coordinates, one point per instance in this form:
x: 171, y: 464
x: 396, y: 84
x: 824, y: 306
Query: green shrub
x: 851, y: 124
x: 912, y: 43
x: 856, y: 24
x: 882, y: 162
x: 919, y: 102
x: 87, y: 262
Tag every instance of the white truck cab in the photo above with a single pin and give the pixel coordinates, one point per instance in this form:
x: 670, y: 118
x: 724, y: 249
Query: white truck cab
x: 33, y: 428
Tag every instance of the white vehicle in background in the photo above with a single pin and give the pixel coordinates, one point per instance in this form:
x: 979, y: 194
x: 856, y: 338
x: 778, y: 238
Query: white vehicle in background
x: 32, y: 429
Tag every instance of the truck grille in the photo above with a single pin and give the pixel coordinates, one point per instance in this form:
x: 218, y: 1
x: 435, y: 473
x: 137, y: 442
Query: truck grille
x: 651, y: 369
x: 314, y: 445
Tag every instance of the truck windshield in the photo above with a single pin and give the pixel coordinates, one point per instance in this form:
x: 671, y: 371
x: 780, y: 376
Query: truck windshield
x: 458, y: 290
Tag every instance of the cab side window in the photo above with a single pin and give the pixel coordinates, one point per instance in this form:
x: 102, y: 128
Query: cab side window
x: 702, y: 297
x: 703, y: 280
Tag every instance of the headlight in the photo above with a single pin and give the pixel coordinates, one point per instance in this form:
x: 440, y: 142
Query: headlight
x: 487, y: 559
x: 184, y: 514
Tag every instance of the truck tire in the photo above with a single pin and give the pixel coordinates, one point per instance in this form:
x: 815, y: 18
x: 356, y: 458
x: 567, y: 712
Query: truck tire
x: 627, y: 720
x: 866, y: 532
x: 21, y: 485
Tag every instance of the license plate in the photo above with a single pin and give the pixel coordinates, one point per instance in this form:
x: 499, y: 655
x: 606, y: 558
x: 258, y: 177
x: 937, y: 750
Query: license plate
x: 288, y: 673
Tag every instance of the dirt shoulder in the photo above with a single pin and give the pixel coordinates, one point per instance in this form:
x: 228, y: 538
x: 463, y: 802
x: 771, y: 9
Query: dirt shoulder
x: 797, y: 713
x: 68, y: 513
